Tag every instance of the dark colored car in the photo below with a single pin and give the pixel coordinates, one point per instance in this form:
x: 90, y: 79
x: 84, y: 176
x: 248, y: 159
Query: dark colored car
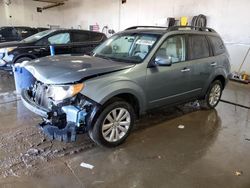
x: 8, y: 34
x: 129, y: 74
x: 40, y: 29
x: 70, y: 41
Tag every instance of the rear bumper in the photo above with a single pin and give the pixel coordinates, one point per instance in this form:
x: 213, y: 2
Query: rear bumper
x: 32, y: 106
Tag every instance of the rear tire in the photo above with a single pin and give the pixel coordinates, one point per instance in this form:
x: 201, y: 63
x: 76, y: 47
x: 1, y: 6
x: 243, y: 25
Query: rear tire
x: 213, y: 95
x: 113, y: 125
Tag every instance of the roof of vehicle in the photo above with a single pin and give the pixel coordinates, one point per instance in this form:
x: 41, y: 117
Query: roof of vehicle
x: 21, y: 27
x: 146, y: 31
x: 163, y: 30
x: 53, y: 30
x: 69, y: 30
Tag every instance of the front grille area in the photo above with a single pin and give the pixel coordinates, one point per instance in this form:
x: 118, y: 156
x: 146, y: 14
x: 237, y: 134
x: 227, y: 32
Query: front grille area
x: 39, y: 95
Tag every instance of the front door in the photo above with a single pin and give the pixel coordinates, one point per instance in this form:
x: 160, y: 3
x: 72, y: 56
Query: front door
x: 61, y: 43
x: 169, y: 84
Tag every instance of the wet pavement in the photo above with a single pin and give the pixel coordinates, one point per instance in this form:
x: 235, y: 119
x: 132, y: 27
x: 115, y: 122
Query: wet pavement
x: 170, y: 147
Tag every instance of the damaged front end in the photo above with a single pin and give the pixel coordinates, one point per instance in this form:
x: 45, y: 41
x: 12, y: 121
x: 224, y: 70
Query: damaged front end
x: 64, y: 117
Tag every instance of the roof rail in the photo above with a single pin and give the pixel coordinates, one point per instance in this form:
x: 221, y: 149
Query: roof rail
x: 178, y: 28
x: 154, y: 27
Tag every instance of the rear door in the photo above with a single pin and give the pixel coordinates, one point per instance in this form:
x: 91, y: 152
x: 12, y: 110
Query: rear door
x: 81, y: 42
x: 84, y: 42
x: 200, y: 60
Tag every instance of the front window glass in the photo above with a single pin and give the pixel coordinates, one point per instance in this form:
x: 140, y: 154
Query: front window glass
x: 173, y: 48
x: 62, y: 38
x: 127, y: 47
x: 37, y: 36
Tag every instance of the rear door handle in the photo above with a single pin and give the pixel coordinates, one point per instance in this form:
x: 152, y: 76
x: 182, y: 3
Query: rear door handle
x: 213, y: 64
x: 185, y: 70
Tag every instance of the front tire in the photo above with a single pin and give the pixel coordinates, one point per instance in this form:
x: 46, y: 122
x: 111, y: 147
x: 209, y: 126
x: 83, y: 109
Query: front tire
x: 213, y: 95
x: 113, y: 125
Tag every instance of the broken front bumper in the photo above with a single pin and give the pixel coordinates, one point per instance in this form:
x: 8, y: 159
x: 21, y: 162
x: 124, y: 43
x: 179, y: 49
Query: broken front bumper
x: 32, y: 106
x: 64, y: 120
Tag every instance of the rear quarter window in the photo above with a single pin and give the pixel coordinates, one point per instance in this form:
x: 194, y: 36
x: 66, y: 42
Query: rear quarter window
x: 96, y: 37
x: 198, y: 47
x: 217, y: 45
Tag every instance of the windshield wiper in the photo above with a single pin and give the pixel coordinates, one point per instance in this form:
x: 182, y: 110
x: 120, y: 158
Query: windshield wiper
x: 116, y: 59
x: 103, y: 57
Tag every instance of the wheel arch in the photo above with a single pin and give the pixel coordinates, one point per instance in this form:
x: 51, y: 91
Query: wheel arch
x: 221, y: 78
x: 126, y: 96
x: 219, y: 74
x: 24, y: 56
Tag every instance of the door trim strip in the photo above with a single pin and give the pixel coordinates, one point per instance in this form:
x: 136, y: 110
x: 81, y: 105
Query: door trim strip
x: 172, y: 96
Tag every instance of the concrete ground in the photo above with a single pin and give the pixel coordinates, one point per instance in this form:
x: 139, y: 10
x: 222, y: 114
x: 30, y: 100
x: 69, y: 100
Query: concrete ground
x: 211, y: 151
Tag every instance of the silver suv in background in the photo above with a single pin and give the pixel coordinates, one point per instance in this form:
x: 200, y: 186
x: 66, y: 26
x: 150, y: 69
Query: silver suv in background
x: 132, y: 72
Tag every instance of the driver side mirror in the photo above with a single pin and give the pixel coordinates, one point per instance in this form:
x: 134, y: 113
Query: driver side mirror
x: 163, y: 61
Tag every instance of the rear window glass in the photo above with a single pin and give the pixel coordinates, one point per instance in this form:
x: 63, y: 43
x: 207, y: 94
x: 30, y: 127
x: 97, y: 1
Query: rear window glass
x: 218, y: 45
x: 8, y: 33
x: 25, y: 32
x: 198, y: 47
x: 96, y: 37
x: 80, y: 37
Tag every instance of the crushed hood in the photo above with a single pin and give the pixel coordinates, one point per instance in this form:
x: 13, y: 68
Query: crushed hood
x: 67, y: 69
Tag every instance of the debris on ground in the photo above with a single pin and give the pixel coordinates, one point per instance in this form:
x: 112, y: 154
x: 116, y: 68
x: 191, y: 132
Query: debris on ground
x: 238, y: 173
x: 32, y: 152
x: 181, y: 126
x: 194, y: 104
x: 85, y: 165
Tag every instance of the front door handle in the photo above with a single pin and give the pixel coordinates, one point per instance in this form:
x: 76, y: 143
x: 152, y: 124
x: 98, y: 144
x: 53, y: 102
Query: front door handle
x: 213, y: 64
x: 185, y: 70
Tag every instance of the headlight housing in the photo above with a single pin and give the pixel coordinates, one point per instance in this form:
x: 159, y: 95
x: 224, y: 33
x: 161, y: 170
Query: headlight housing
x: 61, y: 92
x: 7, y: 50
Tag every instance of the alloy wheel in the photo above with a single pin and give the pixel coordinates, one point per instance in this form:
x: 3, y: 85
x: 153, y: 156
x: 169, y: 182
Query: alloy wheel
x: 214, y: 95
x: 116, y: 124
